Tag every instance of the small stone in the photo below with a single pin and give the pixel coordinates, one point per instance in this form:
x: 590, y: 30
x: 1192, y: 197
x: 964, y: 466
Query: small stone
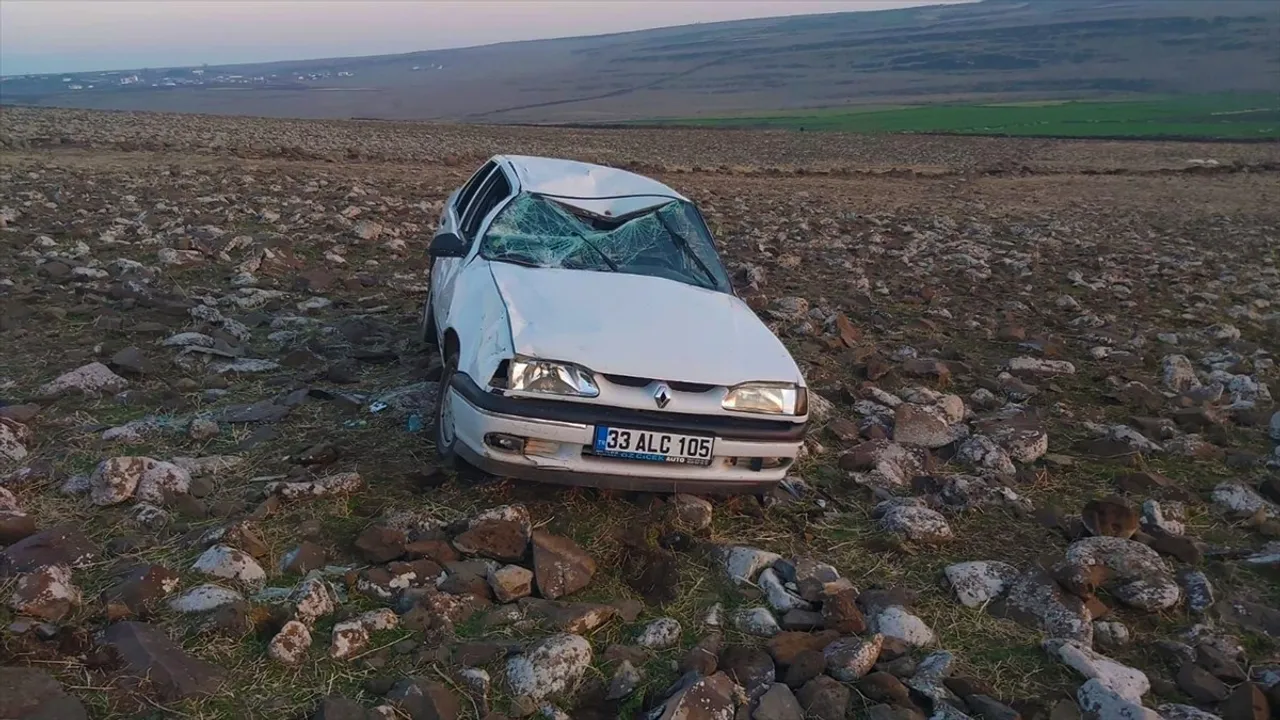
x: 625, y: 680
x: 824, y: 698
x: 303, y: 559
x: 203, y: 599
x: 977, y: 582
x: 227, y: 562
x: 510, y: 583
x: 290, y: 645
x: 1200, y: 684
x: 1127, y: 682
x: 379, y: 544
x: 47, y: 593
x: 896, y: 622
x: 851, y: 658
x: 554, y: 666
x: 690, y: 513
x: 660, y: 634
x: 1110, y: 516
x: 756, y: 621
x: 501, y: 533
x: 560, y: 566
x: 778, y: 703
x: 920, y: 524
x: 1110, y: 634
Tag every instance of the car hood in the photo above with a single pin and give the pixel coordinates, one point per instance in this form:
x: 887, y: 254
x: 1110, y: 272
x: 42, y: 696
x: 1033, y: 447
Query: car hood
x: 638, y: 325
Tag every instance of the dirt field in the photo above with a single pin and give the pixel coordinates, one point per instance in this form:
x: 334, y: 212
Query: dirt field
x: 1059, y: 359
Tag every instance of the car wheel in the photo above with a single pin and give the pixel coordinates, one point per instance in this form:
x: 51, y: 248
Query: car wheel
x: 427, y: 324
x: 445, y: 433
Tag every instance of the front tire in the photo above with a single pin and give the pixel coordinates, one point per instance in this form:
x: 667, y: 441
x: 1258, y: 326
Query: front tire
x: 444, y: 430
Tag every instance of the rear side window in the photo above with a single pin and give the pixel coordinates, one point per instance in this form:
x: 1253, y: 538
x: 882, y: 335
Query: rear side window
x: 469, y: 189
x: 494, y: 190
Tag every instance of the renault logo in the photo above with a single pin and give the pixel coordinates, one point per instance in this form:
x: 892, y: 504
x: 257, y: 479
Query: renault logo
x: 662, y: 395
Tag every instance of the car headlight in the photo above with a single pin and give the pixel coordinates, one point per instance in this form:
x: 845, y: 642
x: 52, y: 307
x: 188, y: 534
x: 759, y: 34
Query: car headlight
x: 770, y: 398
x: 555, y: 378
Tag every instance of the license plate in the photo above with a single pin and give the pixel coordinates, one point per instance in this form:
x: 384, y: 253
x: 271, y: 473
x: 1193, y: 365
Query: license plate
x: 654, y: 446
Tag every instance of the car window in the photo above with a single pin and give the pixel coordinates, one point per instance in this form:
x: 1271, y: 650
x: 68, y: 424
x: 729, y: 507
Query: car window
x: 469, y: 188
x: 494, y: 190
x: 667, y: 240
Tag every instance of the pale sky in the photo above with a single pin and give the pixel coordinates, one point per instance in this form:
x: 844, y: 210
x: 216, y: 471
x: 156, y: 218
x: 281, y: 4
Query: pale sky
x: 39, y: 36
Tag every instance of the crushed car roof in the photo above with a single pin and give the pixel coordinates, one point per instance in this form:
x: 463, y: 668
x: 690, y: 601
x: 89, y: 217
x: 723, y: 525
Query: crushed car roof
x: 596, y: 188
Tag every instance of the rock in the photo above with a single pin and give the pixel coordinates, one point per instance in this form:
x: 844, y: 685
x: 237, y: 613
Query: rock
x: 802, y: 620
x: 749, y: 667
x: 92, y: 379
x: 896, y: 622
x: 553, y: 667
x: 559, y: 565
x: 1274, y: 428
x: 778, y: 703
x: 925, y: 426
x: 1025, y: 445
x: 425, y: 699
x: 706, y: 698
x: 811, y: 577
x: 1200, y: 684
x: 824, y: 698
x: 32, y: 694
x: 660, y: 634
x: 917, y: 523
x: 340, y: 708
x: 14, y: 440
x: 1171, y: 711
x: 337, y: 484
x: 742, y: 563
x: 1179, y: 373
x: 501, y: 533
x: 202, y: 429
x: 780, y: 599
x: 1110, y: 516
x: 1248, y: 702
x: 806, y: 666
x: 1110, y: 634
x: 1100, y: 702
x: 1129, y: 683
x: 46, y: 593
x: 689, y: 512
x: 883, y: 687
x: 15, y: 525
x: 510, y: 583
x: 223, y: 561
x: 982, y: 452
x: 203, y: 599
x: 1243, y: 501
x: 149, y: 654
x: 786, y: 646
x: 351, y: 636
x: 59, y: 545
x: 1037, y: 601
x: 151, y: 481
x: 568, y: 617
x: 625, y: 681
x: 302, y: 559
x: 1156, y: 519
x: 1036, y: 367
x: 756, y: 621
x: 1137, y: 575
x: 290, y: 645
x: 928, y: 679
x: 139, y: 591
x: 851, y: 658
x: 704, y: 657
x: 1221, y: 663
x: 312, y: 599
x: 1198, y: 590
x: 380, y: 544
x: 977, y: 582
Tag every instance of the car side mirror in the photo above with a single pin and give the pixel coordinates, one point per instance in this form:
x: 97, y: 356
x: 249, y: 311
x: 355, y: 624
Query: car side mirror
x: 447, y: 244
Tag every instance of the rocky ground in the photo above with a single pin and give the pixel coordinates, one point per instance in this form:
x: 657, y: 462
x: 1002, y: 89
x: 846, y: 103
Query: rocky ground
x: 1044, y: 485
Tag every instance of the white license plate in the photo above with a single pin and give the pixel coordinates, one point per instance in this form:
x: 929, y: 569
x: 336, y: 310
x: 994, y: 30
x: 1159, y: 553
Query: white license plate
x: 653, y: 446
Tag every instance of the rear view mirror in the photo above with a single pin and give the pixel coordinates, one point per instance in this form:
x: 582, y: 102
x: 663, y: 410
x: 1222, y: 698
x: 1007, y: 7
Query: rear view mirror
x: 447, y: 244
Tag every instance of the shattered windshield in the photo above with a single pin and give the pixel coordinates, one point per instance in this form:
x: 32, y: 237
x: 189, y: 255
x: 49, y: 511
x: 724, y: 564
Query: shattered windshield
x: 668, y: 240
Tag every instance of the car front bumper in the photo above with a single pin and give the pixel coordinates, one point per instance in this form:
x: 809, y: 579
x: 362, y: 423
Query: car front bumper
x: 560, y: 451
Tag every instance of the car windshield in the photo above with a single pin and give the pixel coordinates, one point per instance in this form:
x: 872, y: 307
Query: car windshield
x: 668, y: 240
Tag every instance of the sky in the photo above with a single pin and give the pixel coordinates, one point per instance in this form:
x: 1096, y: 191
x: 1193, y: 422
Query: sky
x: 54, y: 36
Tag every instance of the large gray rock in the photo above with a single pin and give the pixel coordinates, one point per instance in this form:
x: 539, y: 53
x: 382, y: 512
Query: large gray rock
x: 778, y: 703
x: 1134, y: 573
x: 1127, y: 682
x: 1099, y: 702
x: 1242, y: 500
x: 850, y: 658
x: 979, y: 581
x: 742, y: 563
x: 554, y: 666
x: 92, y: 379
x: 897, y: 622
x: 916, y: 522
x: 1039, y: 602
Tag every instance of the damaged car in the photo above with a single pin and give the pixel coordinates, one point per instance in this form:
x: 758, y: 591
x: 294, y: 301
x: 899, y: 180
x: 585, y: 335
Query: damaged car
x: 590, y: 335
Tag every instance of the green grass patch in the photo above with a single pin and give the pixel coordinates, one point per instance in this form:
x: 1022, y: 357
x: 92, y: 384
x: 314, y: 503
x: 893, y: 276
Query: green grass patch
x: 1235, y: 117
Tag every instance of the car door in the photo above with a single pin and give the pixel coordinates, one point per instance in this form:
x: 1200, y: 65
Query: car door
x: 450, y: 222
x: 495, y: 189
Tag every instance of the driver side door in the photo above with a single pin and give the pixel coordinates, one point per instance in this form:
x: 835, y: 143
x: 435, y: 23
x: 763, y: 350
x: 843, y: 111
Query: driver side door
x: 465, y: 218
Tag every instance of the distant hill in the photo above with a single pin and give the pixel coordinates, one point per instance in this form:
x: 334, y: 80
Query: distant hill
x: 991, y: 50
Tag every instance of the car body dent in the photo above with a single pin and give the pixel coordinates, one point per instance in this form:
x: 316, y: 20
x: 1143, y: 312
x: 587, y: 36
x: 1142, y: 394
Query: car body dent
x: 594, y: 188
x: 478, y: 316
x: 640, y: 326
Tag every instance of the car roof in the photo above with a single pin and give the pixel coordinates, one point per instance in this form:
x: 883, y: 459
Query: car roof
x: 596, y: 188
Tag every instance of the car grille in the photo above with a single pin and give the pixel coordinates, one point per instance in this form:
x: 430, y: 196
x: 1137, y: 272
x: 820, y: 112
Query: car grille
x: 629, y: 381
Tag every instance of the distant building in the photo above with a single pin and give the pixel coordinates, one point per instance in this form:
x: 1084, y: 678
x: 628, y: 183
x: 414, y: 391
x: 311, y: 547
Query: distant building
x: 197, y: 72
x: 75, y: 86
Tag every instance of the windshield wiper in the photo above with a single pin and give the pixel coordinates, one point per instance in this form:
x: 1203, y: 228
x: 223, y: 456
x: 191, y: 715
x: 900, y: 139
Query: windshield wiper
x: 688, y: 250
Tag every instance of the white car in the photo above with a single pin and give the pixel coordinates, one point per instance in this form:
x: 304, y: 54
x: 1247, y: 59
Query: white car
x: 590, y: 335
